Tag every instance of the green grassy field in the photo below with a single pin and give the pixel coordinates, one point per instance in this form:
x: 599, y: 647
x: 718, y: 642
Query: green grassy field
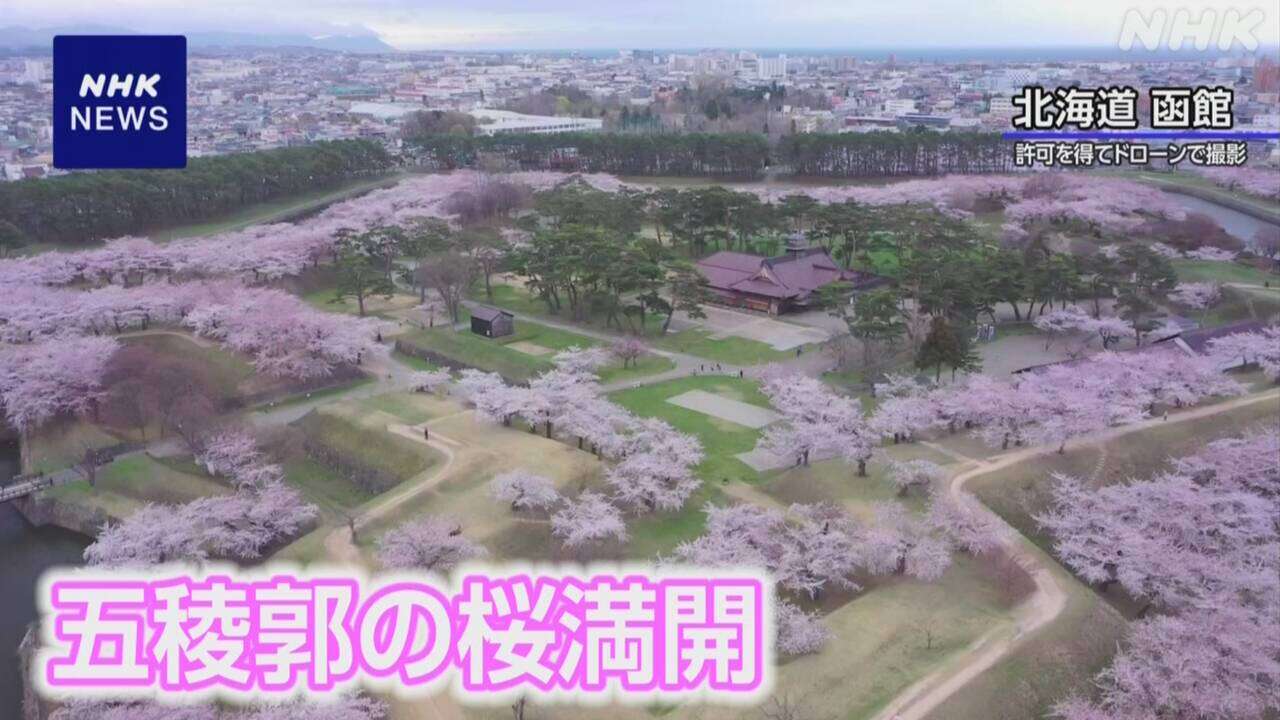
x: 356, y: 444
x: 731, y: 350
x: 1222, y: 272
x: 1044, y: 668
x: 62, y: 443
x: 497, y: 355
x: 721, y: 439
x: 129, y: 482
x: 693, y: 341
x: 328, y: 488
x: 375, y: 306
x: 838, y: 482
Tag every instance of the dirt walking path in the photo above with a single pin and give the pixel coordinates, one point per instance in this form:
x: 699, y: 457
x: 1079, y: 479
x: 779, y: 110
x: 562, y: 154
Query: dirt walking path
x: 338, y: 545
x: 339, y: 548
x: 1049, y: 599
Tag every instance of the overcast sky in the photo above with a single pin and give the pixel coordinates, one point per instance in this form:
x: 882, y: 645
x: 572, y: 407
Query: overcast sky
x: 545, y: 24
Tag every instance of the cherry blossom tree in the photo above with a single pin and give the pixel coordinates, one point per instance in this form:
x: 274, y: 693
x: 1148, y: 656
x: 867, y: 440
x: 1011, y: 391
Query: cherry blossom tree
x: 239, y: 525
x: 493, y: 399
x: 657, y: 470
x: 1261, y: 348
x: 1246, y: 463
x: 1197, y: 295
x: 1071, y: 400
x: 60, y: 376
x: 1074, y: 322
x: 100, y: 710
x: 524, y: 490
x: 902, y: 543
x: 1212, y: 663
x: 228, y: 452
x: 596, y: 421
x: 909, y: 474
x: 799, y: 632
x: 1170, y: 540
x: 1254, y: 180
x: 815, y: 422
x: 587, y: 520
x: 628, y: 349
x: 821, y: 547
x: 970, y: 527
x: 344, y: 707
x: 151, y: 535
x: 808, y: 548
x: 581, y: 361
x: 428, y: 543
x: 1212, y: 254
x: 551, y: 393
x: 1002, y: 414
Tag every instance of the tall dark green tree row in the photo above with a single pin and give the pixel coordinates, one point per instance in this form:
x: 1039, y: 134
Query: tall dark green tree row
x: 85, y: 206
x: 723, y: 155
x: 884, y: 154
x: 874, y: 154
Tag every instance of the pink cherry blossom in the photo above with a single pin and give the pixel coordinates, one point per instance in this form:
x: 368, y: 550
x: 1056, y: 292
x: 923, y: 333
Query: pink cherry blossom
x: 587, y: 520
x: 524, y: 490
x: 429, y: 543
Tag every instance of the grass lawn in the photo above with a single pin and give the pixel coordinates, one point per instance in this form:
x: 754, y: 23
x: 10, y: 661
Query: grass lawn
x: 838, y: 482
x: 61, y: 444
x: 227, y: 369
x: 316, y: 395
x: 1043, y: 668
x: 880, y: 646
x: 1242, y: 304
x: 277, y: 210
x: 129, y: 482
x: 694, y: 341
x: 410, y: 407
x: 376, y: 306
x: 354, y: 441
x: 1222, y: 272
x: 721, y: 439
x: 495, y: 355
x: 731, y: 350
x: 416, y: 363
x: 485, y: 450
x: 326, y: 487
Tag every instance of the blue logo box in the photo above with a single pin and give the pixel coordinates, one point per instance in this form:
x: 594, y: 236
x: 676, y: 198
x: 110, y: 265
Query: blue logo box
x: 119, y: 101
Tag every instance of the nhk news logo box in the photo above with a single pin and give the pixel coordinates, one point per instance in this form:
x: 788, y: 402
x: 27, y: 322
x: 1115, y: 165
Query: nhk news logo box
x: 119, y: 101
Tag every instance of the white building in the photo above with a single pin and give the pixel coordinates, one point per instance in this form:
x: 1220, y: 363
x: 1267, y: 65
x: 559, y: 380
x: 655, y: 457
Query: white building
x: 498, y: 122
x: 773, y: 67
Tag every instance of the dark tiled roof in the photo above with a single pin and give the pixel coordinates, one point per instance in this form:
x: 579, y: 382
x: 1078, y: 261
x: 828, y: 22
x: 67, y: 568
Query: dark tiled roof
x: 794, y: 275
x: 484, y: 312
x: 1198, y: 339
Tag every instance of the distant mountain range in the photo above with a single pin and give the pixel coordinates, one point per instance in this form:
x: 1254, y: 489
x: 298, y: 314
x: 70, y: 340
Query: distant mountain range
x: 23, y: 38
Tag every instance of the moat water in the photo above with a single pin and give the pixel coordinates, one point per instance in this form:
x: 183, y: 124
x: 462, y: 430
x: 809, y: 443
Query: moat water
x: 25, y: 553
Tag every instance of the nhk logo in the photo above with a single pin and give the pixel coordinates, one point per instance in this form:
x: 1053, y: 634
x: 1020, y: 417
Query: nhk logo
x: 120, y: 101
x: 101, y: 117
